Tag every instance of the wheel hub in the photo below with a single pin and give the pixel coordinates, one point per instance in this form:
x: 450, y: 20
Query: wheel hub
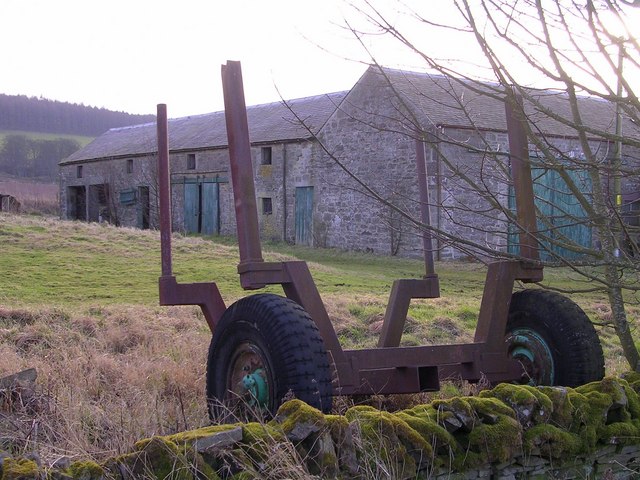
x: 247, y: 377
x: 534, y: 354
x: 255, y: 384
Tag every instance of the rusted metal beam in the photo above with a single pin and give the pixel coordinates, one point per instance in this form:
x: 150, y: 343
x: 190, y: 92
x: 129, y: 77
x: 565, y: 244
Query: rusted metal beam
x: 404, y: 290
x: 302, y: 289
x: 425, y: 214
x: 521, y: 173
x: 164, y: 189
x: 496, y: 300
x: 431, y: 363
x: 395, y: 316
x: 257, y: 275
x: 241, y: 165
x: 205, y: 295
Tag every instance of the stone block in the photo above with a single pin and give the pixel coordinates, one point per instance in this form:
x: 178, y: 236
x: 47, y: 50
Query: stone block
x: 218, y: 441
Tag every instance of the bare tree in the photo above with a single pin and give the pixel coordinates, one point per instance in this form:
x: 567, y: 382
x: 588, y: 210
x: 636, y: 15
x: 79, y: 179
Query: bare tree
x: 586, y: 52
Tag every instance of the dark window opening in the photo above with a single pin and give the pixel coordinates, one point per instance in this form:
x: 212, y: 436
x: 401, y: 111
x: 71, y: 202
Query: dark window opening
x: 267, y: 206
x: 143, y: 208
x: 631, y: 213
x: 130, y: 165
x: 128, y: 196
x: 79, y: 171
x: 191, y: 161
x: 266, y: 156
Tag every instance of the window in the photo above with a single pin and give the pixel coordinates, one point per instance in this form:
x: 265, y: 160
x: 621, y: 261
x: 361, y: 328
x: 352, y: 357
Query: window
x: 128, y: 197
x: 191, y: 161
x: 631, y: 213
x: 266, y: 156
x: 267, y: 206
x: 79, y: 171
x: 130, y: 165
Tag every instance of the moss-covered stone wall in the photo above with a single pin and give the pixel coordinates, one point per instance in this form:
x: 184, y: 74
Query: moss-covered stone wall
x: 509, y: 432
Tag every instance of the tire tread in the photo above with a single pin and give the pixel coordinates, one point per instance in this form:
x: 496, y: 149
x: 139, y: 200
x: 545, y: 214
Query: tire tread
x: 575, y: 344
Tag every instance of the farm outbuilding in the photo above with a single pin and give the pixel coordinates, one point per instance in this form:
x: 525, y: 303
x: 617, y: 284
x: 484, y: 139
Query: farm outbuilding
x: 9, y: 203
x: 328, y: 167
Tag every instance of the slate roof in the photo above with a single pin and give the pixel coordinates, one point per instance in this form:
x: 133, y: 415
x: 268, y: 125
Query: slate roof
x: 439, y: 100
x: 270, y: 122
x: 435, y: 99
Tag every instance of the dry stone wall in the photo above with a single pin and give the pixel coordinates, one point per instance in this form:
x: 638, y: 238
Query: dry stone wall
x: 511, y: 432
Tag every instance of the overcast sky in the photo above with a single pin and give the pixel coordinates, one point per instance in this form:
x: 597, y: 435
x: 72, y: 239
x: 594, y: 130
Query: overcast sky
x: 132, y: 54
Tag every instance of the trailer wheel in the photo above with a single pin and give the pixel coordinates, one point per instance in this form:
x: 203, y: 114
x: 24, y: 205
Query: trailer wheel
x: 553, y: 339
x: 264, y: 349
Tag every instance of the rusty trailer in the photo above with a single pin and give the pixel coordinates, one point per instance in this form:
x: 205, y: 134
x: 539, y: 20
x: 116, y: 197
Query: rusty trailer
x: 266, y: 347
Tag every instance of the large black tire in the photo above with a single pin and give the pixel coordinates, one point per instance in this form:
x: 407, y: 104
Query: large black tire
x: 270, y: 340
x: 553, y: 339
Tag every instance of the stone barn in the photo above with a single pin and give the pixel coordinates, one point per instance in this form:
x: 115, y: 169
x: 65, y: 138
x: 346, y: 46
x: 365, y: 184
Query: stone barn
x: 339, y: 170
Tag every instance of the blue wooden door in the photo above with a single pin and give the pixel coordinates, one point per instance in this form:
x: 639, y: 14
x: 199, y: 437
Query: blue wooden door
x: 304, y: 215
x: 210, y: 216
x: 192, y: 207
x: 562, y: 220
x: 569, y: 223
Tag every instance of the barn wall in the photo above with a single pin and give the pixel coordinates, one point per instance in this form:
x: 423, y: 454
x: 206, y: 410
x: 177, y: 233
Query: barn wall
x: 383, y: 161
x: 373, y: 137
x: 211, y: 165
x: 370, y: 135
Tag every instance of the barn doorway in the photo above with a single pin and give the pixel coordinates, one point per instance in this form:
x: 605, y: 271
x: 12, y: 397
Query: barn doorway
x: 143, y: 208
x: 9, y: 203
x: 202, y: 207
x: 77, y: 203
x: 98, y: 205
x: 304, y: 216
x: 562, y: 221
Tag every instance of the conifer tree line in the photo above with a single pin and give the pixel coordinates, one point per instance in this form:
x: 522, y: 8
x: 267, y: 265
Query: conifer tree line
x: 26, y: 157
x: 19, y: 112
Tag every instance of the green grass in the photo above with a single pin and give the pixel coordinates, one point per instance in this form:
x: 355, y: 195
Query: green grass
x: 70, y: 263
x: 81, y: 139
x: 77, y: 266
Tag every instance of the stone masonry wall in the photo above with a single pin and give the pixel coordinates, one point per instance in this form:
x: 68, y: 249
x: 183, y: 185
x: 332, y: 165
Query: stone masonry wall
x: 270, y: 182
x: 511, y: 432
x: 373, y: 137
x: 383, y: 160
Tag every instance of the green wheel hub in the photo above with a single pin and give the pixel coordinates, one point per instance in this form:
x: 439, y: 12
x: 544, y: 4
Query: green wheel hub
x: 255, y: 384
x: 533, y: 352
x: 248, y: 376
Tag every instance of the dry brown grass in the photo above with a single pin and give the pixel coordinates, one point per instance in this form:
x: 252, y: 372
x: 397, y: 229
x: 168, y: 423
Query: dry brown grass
x: 109, y: 376
x: 106, y: 377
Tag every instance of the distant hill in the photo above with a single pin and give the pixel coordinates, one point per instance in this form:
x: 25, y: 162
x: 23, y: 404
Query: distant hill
x: 36, y: 133
x: 19, y: 112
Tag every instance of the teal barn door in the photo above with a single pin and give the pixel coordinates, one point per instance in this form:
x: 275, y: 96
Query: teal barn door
x: 210, y: 209
x: 202, y: 206
x: 192, y: 207
x: 304, y: 215
x: 561, y: 216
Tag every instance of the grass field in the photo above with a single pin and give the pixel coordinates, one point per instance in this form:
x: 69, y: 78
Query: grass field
x: 81, y: 139
x: 78, y: 302
x: 74, y: 265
